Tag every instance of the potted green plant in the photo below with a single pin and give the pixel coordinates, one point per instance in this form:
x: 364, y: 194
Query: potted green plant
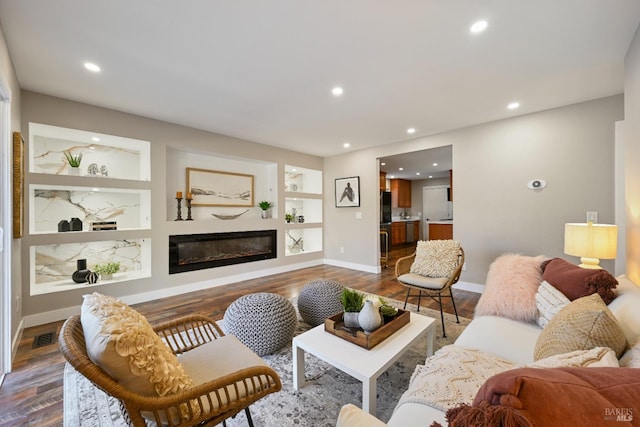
x: 74, y: 162
x: 288, y: 217
x: 266, y: 209
x: 107, y: 270
x: 352, y: 302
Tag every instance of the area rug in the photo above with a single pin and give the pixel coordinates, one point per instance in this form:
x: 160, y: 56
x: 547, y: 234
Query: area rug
x: 317, y: 404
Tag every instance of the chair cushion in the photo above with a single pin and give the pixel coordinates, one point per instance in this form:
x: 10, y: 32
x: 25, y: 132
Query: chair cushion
x: 436, y: 258
x: 583, y: 324
x: 230, y: 356
x: 433, y: 283
x: 122, y: 342
x: 511, y: 286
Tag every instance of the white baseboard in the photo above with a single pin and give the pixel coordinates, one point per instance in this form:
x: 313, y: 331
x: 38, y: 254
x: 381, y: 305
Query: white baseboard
x: 352, y: 266
x: 16, y: 339
x: 64, y: 313
x: 468, y: 286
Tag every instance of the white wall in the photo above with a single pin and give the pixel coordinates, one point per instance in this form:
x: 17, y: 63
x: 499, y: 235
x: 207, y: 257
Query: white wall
x: 494, y: 211
x: 9, y: 78
x: 632, y: 155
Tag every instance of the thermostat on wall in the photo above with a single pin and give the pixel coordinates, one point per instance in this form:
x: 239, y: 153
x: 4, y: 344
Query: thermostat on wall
x: 537, y: 184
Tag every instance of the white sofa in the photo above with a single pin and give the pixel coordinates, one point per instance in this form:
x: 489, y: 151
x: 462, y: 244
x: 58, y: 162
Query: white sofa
x: 507, y: 339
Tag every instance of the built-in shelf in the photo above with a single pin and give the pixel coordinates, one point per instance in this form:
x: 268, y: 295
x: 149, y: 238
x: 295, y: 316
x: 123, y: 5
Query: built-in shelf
x: 52, y: 265
x: 303, y: 198
x: 112, y: 184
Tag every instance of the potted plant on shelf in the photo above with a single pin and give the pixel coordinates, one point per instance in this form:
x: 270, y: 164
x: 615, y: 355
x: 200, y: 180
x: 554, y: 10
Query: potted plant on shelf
x: 107, y: 270
x: 74, y: 162
x: 266, y: 209
x: 352, y: 302
x: 288, y: 217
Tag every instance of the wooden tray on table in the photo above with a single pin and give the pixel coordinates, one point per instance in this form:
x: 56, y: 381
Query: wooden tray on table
x: 335, y: 325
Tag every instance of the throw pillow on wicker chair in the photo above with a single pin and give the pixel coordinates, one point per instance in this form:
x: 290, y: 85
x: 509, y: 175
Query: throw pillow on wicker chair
x: 436, y: 258
x: 123, y: 343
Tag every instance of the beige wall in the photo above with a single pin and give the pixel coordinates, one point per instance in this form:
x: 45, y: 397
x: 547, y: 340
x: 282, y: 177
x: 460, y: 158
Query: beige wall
x: 164, y: 137
x: 10, y: 80
x: 572, y: 148
x: 632, y: 155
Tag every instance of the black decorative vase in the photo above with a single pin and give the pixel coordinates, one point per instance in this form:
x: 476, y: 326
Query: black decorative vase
x: 80, y: 275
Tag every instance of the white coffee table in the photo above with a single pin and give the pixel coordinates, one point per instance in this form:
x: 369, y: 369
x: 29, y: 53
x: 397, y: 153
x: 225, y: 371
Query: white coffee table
x: 362, y: 364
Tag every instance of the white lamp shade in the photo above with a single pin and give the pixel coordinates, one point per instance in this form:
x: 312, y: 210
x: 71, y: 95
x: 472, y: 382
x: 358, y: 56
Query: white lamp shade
x: 591, y: 240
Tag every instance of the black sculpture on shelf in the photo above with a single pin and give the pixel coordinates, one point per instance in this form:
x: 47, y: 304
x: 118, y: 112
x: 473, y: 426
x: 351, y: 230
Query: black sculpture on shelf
x: 64, y: 226
x: 80, y: 275
x: 76, y: 224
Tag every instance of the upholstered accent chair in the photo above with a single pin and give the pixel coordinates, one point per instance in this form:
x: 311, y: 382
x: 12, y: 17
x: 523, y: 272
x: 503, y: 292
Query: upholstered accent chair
x: 432, y: 270
x: 226, y: 376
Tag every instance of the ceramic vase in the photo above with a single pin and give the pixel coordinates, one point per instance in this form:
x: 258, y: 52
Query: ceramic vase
x: 351, y: 319
x: 369, y: 317
x: 80, y: 275
x: 74, y: 171
x: 265, y: 214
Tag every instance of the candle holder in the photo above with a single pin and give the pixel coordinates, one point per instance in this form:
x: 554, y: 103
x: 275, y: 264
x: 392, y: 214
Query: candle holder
x: 189, y: 209
x: 179, y: 199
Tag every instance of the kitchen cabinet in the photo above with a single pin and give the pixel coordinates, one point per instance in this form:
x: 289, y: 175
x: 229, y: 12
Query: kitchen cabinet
x: 400, y: 193
x: 416, y: 231
x: 440, y: 231
x: 383, y: 181
x: 398, y: 233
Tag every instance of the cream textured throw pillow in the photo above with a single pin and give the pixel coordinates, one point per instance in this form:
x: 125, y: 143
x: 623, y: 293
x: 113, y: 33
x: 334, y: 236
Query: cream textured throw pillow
x: 583, y: 324
x: 549, y: 301
x: 436, y: 258
x: 124, y: 344
x: 595, y: 357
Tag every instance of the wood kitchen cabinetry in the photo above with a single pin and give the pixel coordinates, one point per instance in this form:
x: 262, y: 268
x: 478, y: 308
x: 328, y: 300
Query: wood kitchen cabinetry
x: 398, y: 233
x: 400, y: 193
x: 383, y: 181
x: 440, y: 231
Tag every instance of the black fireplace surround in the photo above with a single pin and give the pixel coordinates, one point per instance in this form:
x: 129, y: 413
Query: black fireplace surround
x: 189, y: 252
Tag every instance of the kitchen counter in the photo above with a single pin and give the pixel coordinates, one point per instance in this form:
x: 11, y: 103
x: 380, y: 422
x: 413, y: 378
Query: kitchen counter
x: 441, y: 221
x: 408, y: 219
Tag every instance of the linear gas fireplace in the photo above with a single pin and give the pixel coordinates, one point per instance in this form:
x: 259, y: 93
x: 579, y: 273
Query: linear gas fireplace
x: 188, y: 252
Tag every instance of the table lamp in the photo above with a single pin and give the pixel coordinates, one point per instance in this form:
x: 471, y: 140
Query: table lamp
x: 590, y: 242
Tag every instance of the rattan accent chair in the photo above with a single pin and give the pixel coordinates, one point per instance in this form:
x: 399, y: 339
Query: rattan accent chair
x: 433, y: 287
x: 214, y: 400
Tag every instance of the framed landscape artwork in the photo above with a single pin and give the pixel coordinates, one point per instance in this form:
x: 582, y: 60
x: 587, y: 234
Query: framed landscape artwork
x: 348, y: 192
x: 216, y: 188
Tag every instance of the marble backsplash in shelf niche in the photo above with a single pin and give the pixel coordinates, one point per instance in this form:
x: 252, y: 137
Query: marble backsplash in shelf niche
x: 56, y: 263
x: 48, y: 157
x: 52, y: 206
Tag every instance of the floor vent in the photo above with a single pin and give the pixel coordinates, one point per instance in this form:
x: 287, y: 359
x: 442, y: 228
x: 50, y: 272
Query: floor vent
x: 44, y: 339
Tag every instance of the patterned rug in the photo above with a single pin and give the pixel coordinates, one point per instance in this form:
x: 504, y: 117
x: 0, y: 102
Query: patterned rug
x: 317, y: 404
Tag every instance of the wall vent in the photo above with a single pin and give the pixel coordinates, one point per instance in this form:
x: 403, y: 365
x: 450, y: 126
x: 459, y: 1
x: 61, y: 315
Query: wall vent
x: 44, y: 339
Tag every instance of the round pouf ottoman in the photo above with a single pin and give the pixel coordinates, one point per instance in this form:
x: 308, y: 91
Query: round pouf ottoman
x: 264, y: 322
x: 318, y: 300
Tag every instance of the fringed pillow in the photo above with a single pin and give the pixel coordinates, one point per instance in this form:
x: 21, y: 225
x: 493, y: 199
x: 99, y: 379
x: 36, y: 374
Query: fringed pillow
x: 436, y: 258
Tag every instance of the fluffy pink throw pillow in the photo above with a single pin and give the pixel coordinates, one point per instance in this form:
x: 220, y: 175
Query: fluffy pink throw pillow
x: 510, y: 290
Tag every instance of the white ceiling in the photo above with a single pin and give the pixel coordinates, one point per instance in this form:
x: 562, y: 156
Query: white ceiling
x: 263, y: 70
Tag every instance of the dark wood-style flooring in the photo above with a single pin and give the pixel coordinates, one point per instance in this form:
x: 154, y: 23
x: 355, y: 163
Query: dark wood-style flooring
x: 32, y: 393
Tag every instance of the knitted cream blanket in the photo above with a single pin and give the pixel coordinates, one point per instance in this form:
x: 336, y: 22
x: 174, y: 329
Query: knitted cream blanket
x: 452, y: 375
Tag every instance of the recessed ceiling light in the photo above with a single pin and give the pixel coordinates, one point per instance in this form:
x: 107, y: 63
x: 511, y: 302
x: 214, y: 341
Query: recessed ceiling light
x: 435, y: 164
x: 337, y: 91
x: 430, y: 176
x: 92, y: 67
x: 417, y: 173
x: 478, y: 26
x: 95, y: 139
x: 383, y: 164
x: 400, y: 169
x: 513, y: 105
x: 392, y: 176
x: 411, y: 131
x: 346, y: 145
